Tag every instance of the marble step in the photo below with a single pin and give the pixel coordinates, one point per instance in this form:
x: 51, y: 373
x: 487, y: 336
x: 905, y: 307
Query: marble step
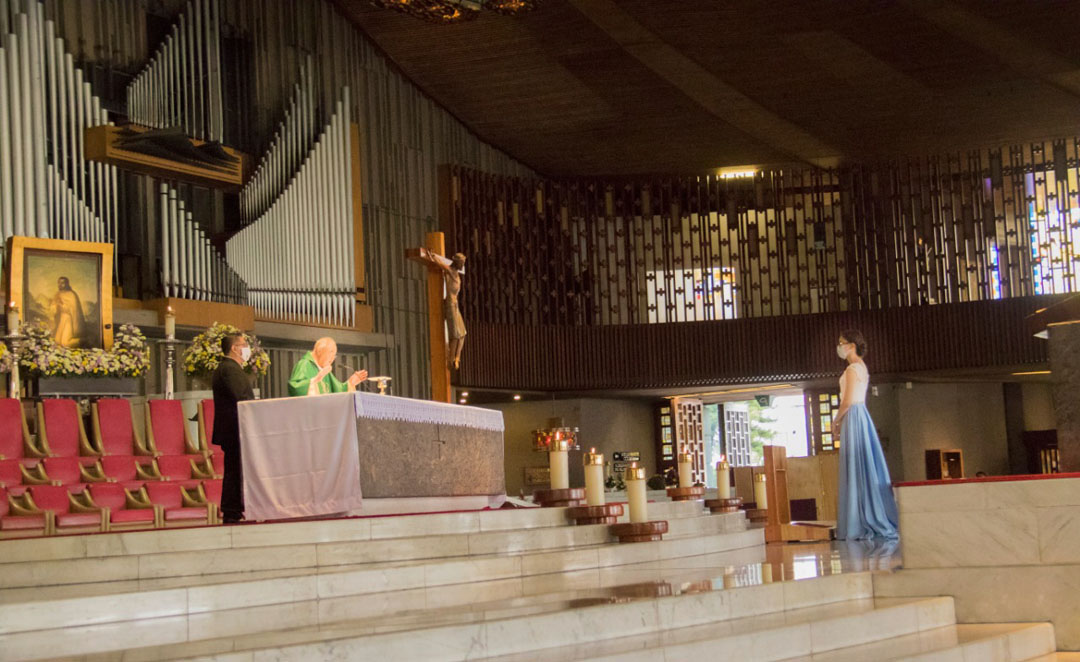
x: 343, y: 530
x: 499, y: 629
x: 400, y: 608
x: 41, y: 609
x: 1056, y: 657
x: 1007, y: 642
x: 254, y: 549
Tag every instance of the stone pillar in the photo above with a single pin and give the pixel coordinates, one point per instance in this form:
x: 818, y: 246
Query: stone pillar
x: 1065, y: 365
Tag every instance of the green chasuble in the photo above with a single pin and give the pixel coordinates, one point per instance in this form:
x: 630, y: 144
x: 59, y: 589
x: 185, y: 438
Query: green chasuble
x: 305, y: 370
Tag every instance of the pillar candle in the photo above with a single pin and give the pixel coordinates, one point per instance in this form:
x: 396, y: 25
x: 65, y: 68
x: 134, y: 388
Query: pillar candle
x: 12, y: 318
x: 560, y: 466
x: 635, y: 493
x: 594, y: 477
x: 766, y: 571
x: 723, y: 480
x: 686, y: 470
x: 759, y: 491
x: 170, y: 323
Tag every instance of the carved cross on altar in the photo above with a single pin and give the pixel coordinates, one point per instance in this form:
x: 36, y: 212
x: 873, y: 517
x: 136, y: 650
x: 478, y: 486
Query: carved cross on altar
x: 435, y: 245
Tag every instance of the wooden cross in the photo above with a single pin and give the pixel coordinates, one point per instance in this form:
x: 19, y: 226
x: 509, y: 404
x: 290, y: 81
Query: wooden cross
x: 435, y: 242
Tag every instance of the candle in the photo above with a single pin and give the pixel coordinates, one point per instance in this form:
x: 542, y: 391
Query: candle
x: 170, y: 323
x: 634, y: 476
x: 759, y: 491
x: 594, y: 477
x: 766, y: 572
x: 723, y: 479
x: 12, y: 318
x: 560, y: 467
x: 686, y: 470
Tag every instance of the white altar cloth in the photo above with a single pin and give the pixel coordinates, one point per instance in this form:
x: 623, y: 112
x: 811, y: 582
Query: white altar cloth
x: 300, y: 456
x: 391, y: 408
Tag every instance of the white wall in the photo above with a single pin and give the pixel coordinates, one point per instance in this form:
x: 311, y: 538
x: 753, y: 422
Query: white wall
x: 607, y: 425
x: 1038, y: 398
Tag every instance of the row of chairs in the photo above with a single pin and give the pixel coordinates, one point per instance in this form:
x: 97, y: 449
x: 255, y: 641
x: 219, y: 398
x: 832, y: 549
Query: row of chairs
x: 68, y: 481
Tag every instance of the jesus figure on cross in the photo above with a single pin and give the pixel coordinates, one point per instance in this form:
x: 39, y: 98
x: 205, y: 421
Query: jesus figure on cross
x: 452, y: 270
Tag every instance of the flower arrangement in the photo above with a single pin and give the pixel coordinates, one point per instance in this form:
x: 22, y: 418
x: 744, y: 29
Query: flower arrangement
x: 43, y: 357
x: 5, y: 358
x: 204, y: 354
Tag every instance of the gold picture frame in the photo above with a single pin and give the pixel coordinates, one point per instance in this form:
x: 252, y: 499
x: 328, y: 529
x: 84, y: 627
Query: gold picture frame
x: 67, y: 285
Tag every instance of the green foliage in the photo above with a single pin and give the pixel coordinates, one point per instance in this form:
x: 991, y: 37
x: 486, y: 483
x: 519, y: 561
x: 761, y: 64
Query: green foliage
x: 760, y: 433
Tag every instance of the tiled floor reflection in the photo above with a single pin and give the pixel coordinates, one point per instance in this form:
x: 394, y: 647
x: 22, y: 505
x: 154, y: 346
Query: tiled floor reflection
x: 468, y: 602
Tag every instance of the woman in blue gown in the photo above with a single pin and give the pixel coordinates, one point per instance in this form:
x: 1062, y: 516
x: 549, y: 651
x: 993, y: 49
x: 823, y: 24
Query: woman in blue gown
x: 866, y: 507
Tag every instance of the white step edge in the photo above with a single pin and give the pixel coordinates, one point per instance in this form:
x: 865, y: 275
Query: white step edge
x: 87, y: 610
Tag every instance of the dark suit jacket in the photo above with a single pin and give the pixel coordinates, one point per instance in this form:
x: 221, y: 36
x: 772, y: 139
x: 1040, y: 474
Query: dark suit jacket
x: 231, y: 385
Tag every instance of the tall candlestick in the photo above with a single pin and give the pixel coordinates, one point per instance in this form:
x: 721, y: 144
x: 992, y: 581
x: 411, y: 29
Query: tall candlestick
x: 558, y: 460
x: 594, y: 477
x: 170, y: 323
x: 635, y: 493
x: 723, y: 479
x: 759, y: 491
x: 12, y: 319
x: 686, y: 470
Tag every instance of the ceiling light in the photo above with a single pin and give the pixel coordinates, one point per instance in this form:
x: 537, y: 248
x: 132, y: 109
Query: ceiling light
x: 1033, y: 372
x: 463, y: 401
x: 517, y: 396
x: 464, y: 394
x: 753, y: 389
x: 736, y: 174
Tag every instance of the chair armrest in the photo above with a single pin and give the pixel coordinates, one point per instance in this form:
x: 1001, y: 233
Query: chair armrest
x: 78, y: 504
x: 34, y: 476
x: 94, y: 474
x: 201, y: 469
x: 194, y: 498
x: 138, y: 499
x: 32, y: 450
x: 24, y: 506
x: 144, y: 474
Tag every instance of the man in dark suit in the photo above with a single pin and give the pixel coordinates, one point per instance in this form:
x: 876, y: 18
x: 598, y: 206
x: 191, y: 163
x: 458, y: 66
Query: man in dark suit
x: 231, y: 385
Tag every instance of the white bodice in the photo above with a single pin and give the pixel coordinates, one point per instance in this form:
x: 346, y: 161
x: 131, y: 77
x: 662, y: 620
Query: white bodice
x: 862, y: 382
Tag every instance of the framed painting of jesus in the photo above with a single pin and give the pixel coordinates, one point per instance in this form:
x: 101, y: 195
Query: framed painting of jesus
x: 64, y: 286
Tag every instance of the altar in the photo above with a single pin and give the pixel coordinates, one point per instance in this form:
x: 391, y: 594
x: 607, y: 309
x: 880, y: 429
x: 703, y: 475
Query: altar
x: 368, y: 454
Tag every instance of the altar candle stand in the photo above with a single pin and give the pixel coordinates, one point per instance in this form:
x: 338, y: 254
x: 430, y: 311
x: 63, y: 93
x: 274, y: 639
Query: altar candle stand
x: 686, y: 491
x: 596, y: 510
x: 169, y: 345
x: 760, y: 512
x: 639, y: 528
x: 14, y: 344
x: 558, y: 440
x: 723, y: 503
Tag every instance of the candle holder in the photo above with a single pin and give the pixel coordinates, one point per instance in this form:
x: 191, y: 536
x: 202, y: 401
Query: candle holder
x: 14, y: 341
x: 638, y: 529
x: 557, y: 441
x: 732, y: 505
x: 169, y: 345
x: 686, y: 493
x: 596, y: 511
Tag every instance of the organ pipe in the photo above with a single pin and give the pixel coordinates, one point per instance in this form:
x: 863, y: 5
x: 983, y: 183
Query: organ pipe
x: 297, y: 256
x: 181, y: 84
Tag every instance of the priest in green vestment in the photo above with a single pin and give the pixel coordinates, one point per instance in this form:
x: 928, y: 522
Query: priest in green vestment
x: 312, y: 375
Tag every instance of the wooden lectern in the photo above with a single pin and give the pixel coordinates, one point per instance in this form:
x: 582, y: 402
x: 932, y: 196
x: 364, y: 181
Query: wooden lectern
x: 778, y: 524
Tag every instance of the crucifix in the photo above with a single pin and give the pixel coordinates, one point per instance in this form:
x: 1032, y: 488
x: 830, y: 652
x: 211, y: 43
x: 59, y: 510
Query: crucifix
x: 446, y: 328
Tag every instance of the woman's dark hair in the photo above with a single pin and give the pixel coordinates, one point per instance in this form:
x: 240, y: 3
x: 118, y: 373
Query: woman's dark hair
x: 855, y: 336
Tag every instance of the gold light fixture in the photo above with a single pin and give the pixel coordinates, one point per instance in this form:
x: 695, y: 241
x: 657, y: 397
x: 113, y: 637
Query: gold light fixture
x: 455, y: 11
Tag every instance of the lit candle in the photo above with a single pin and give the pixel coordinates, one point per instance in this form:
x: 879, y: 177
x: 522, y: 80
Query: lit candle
x: 766, y: 572
x: 686, y: 470
x: 723, y: 479
x: 559, y: 463
x: 594, y: 477
x: 12, y: 318
x: 634, y: 476
x: 170, y: 323
x: 759, y: 491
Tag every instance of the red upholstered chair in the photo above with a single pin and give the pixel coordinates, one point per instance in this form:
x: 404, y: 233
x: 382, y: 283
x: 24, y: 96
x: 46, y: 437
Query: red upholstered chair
x: 127, y: 471
x: 62, y: 433
x: 72, y: 516
x: 206, y: 428
x: 128, y: 509
x: 15, y: 441
x: 212, y: 490
x: 17, y: 520
x: 181, y: 507
x: 11, y: 472
x: 181, y: 469
x: 68, y: 471
x: 217, y: 462
x: 114, y: 428
x: 166, y: 429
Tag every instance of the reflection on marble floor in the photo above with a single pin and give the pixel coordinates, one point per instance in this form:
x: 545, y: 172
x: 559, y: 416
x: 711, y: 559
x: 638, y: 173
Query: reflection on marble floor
x: 462, y: 603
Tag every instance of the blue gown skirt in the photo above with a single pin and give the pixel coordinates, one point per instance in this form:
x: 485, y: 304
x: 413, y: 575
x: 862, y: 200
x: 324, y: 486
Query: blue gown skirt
x: 866, y: 507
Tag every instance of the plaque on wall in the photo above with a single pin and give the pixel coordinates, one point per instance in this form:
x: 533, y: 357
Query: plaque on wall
x: 620, y: 460
x: 537, y: 476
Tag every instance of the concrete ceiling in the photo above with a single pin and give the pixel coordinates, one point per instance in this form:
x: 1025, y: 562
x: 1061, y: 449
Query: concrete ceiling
x: 606, y: 87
